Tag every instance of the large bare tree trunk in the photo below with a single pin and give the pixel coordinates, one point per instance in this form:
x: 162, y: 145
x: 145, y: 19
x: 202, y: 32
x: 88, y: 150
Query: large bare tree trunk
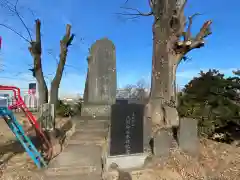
x: 164, y: 113
x: 36, y: 51
x: 168, y: 51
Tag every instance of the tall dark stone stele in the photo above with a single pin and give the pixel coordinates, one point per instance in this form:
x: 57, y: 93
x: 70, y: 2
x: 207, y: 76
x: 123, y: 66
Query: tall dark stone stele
x: 101, y: 83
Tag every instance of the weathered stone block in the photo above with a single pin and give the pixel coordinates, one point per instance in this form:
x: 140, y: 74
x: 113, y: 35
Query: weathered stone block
x: 101, y: 83
x: 188, y: 136
x: 163, y: 143
x: 147, y: 129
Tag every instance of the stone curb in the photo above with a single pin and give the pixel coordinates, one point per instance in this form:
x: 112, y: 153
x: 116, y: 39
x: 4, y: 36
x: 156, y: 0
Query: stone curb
x: 76, y: 170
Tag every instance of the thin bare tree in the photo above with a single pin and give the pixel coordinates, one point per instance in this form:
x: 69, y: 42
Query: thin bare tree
x: 136, y: 91
x: 172, y: 40
x: 35, y: 48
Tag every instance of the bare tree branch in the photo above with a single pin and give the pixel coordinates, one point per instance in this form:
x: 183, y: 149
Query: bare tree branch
x: 13, y: 30
x: 151, y: 2
x: 21, y: 19
x: 190, y: 21
x: 139, y: 13
x: 13, y: 8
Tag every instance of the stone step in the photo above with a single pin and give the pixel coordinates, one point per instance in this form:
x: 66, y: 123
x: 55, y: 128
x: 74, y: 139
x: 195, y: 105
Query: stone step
x: 90, y: 130
x: 78, y: 157
x: 97, y: 142
x: 89, y: 121
x: 92, y: 176
x: 88, y: 135
x: 91, y: 126
x: 76, y: 171
x: 91, y: 118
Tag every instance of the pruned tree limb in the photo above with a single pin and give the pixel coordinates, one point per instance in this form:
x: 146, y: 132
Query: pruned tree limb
x: 192, y: 43
x: 204, y: 31
x: 64, y: 44
x: 36, y: 47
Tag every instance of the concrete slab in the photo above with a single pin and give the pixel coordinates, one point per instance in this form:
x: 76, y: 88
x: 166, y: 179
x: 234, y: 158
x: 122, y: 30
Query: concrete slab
x: 81, y: 138
x: 126, y: 161
x: 69, y: 171
x: 88, y: 135
x: 92, y: 118
x: 75, y: 156
x: 91, y: 125
x: 92, y: 176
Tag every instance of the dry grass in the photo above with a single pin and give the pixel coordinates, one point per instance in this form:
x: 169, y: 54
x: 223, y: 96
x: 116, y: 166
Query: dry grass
x: 216, y: 161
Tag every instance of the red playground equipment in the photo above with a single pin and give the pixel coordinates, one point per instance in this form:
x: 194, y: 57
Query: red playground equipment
x: 19, y: 103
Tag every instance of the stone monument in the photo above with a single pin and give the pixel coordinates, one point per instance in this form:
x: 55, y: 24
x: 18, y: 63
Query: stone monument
x: 101, y: 83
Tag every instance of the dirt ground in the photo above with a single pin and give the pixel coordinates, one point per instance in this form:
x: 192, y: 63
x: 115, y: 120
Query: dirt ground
x: 217, y: 161
x: 12, y: 155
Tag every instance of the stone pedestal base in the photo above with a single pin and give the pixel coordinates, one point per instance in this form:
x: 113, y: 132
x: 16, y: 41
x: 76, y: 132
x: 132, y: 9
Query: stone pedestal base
x: 95, y: 110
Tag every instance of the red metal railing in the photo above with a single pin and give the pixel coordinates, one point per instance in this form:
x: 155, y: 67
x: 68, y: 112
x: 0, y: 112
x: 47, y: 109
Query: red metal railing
x: 19, y: 103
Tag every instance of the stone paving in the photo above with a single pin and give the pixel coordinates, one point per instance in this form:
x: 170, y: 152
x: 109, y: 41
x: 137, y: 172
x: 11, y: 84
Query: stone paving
x: 81, y: 159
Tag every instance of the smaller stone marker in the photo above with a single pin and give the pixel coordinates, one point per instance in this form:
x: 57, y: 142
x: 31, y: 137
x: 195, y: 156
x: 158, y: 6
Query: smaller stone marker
x: 147, y: 137
x: 162, y: 143
x: 46, y: 117
x: 188, y: 136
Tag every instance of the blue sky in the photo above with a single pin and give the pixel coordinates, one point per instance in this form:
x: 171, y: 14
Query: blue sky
x: 94, y: 19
